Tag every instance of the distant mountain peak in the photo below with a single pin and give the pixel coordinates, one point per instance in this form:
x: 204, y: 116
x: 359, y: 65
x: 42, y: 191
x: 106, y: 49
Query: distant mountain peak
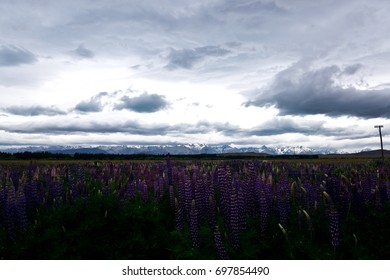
x: 182, y: 149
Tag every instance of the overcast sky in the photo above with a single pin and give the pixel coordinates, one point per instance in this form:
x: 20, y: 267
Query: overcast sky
x: 281, y: 72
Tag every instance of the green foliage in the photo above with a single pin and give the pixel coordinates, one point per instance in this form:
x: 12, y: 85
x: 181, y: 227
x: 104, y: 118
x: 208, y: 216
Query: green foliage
x: 97, y: 228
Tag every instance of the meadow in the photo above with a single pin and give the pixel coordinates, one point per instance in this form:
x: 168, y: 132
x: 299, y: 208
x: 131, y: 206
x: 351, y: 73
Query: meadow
x: 195, y: 209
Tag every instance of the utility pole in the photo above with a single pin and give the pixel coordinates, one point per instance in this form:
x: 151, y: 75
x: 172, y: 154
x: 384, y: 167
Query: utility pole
x: 380, y: 135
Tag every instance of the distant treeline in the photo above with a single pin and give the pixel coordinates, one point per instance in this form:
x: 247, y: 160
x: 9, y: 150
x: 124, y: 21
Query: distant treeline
x: 88, y: 156
x: 82, y: 156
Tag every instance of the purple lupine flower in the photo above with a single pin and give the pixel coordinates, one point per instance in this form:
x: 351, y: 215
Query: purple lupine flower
x: 382, y: 188
x: 222, y: 253
x: 264, y: 212
x: 21, y: 208
x: 269, y: 194
x: 212, y: 212
x: 172, y: 197
x: 143, y: 187
x: 188, y: 195
x: 73, y: 188
x: 250, y: 190
x: 366, y: 189
x: 175, y: 177
x: 304, y: 196
x: 214, y: 176
x: 14, y: 176
x: 169, y: 170
x: 209, y: 190
x: 310, y: 195
x: 10, y: 212
x: 334, y: 227
x: 283, y: 200
x: 80, y: 174
x: 83, y: 188
x: 228, y: 176
x: 41, y: 193
x: 147, y: 176
x: 130, y: 190
x: 334, y: 221
x: 181, y: 191
x: 160, y: 169
x: 194, y: 225
x: 332, y: 187
x: 344, y: 203
x: 56, y: 191
x: 259, y: 185
x: 161, y: 187
x: 178, y: 216
x: 373, y: 180
x: 241, y: 207
x: 32, y: 194
x: 234, y: 220
x: 224, y: 188
x: 69, y: 176
x: 200, y: 197
x: 3, y: 203
x: 156, y: 190
x: 377, y: 199
x: 48, y: 179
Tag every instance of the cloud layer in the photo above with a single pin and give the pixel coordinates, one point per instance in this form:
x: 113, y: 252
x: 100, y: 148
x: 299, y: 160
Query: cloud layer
x: 295, y: 91
x: 30, y: 111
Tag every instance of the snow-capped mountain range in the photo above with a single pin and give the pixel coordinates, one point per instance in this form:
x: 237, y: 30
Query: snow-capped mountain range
x: 174, y: 149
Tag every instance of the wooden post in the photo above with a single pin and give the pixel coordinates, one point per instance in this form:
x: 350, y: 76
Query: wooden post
x: 380, y: 135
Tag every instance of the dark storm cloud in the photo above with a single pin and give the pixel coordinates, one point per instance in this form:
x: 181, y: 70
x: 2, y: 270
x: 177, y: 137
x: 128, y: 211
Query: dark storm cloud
x: 145, y: 103
x: 93, y: 105
x: 297, y: 91
x: 83, y: 52
x: 13, y: 56
x: 34, y: 111
x: 186, y: 58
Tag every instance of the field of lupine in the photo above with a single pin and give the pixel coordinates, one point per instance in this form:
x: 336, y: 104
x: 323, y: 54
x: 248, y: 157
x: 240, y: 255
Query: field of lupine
x: 177, y: 209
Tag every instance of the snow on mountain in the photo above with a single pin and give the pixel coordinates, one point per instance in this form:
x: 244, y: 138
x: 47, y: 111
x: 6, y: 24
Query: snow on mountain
x: 183, y: 149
